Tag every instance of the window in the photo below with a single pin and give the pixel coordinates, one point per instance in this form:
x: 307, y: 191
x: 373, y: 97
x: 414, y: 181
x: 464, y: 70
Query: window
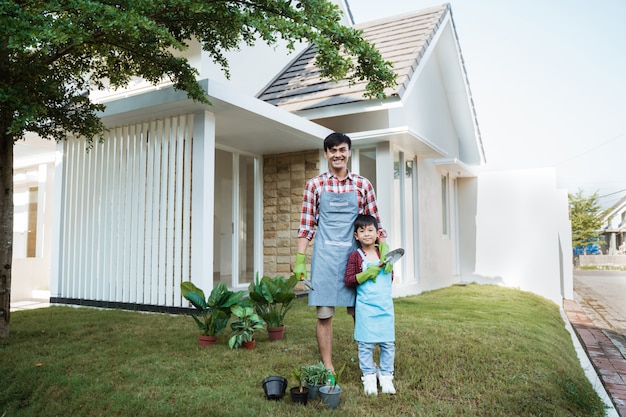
x: 26, y: 211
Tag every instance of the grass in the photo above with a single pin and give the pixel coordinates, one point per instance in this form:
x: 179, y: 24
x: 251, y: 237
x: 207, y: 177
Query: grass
x: 460, y: 351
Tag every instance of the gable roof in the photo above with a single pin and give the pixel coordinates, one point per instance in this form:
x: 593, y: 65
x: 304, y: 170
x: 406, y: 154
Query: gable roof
x: 402, y: 40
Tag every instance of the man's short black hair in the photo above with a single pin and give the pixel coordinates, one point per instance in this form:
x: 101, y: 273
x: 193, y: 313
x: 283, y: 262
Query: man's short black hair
x: 335, y: 139
x: 364, y: 220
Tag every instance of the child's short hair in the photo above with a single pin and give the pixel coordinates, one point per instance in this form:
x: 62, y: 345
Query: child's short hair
x: 363, y: 220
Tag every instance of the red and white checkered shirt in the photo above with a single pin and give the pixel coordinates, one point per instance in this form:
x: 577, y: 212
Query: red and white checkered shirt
x: 331, y: 183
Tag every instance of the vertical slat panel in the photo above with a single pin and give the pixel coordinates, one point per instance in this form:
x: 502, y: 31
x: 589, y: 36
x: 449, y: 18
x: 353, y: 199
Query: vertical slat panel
x: 119, y: 217
x: 65, y: 220
x: 170, y: 205
x: 155, y: 190
x: 143, y: 242
x: 162, y: 226
x: 127, y: 233
x: 104, y: 232
x: 139, y: 215
x: 186, y: 199
x: 96, y: 228
x: 90, y: 222
x: 68, y: 215
x: 127, y: 218
x: 83, y: 221
x: 131, y: 243
x: 77, y: 220
x: 178, y: 210
x: 113, y: 277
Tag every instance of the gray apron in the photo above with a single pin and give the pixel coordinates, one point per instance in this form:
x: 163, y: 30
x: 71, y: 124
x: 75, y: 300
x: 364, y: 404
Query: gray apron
x: 334, y: 241
x: 374, y: 309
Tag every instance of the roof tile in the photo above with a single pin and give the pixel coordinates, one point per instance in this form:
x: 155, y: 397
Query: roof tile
x: 402, y: 40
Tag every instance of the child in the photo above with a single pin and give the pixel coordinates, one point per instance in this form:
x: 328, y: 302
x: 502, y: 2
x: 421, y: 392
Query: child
x: 374, y: 306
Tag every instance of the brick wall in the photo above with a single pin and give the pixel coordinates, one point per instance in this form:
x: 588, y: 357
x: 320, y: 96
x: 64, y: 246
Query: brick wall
x: 284, y: 176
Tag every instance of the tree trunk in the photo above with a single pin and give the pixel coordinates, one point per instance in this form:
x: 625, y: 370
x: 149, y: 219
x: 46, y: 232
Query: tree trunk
x: 6, y: 228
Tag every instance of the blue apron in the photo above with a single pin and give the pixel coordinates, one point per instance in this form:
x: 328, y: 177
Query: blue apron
x: 334, y: 241
x: 374, y: 309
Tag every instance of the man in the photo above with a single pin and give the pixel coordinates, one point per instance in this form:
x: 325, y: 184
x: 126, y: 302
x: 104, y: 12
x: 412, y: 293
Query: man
x: 332, y: 202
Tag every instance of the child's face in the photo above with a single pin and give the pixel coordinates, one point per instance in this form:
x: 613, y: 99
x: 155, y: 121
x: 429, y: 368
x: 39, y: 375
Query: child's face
x: 367, y: 235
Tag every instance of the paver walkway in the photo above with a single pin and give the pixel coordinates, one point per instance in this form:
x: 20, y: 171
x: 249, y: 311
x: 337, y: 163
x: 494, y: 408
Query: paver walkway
x: 603, y: 354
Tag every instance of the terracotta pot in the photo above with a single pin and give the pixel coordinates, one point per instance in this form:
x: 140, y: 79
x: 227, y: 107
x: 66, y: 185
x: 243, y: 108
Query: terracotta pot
x: 299, y: 397
x: 206, y: 340
x: 249, y: 345
x: 276, y: 333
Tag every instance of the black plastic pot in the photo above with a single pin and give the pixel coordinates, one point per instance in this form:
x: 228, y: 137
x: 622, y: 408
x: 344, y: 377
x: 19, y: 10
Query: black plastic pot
x: 299, y: 397
x: 274, y: 387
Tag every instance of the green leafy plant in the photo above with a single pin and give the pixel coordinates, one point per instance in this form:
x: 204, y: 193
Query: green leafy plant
x: 273, y: 298
x: 246, y: 323
x: 316, y: 374
x: 333, y: 381
x: 213, y: 312
x: 298, y: 376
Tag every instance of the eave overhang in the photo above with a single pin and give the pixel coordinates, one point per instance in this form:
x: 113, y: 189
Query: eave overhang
x: 403, y: 136
x: 241, y: 121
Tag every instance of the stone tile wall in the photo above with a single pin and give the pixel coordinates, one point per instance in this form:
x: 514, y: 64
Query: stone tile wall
x: 284, y: 177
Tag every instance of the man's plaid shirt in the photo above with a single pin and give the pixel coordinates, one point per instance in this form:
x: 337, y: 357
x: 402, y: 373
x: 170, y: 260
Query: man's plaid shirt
x: 329, y: 182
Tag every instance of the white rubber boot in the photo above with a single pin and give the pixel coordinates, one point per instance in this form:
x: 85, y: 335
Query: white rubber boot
x: 369, y: 384
x: 386, y: 384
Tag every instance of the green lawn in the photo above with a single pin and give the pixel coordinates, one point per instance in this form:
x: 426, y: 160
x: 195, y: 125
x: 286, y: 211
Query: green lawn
x: 460, y: 351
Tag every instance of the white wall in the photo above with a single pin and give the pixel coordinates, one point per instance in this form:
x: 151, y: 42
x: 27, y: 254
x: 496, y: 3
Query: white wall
x: 30, y: 274
x: 437, y: 262
x: 427, y: 111
x: 520, y: 217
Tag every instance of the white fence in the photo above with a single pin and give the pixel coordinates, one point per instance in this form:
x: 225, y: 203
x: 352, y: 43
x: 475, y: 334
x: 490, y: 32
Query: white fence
x: 126, y: 215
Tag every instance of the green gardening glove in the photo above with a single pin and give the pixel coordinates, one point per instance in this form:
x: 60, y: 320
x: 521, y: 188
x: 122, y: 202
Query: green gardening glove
x: 300, y: 268
x: 370, y: 273
x: 383, y: 248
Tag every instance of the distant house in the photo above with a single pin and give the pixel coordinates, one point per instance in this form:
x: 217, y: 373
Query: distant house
x: 183, y: 191
x: 614, y: 228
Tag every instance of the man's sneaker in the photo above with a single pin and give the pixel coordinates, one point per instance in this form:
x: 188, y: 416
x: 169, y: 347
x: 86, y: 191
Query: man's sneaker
x: 386, y: 384
x: 369, y: 384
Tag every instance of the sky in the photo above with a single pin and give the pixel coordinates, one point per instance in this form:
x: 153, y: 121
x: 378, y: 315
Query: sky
x: 548, y: 79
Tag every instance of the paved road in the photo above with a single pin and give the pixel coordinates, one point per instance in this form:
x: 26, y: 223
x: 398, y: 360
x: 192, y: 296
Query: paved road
x: 602, y: 294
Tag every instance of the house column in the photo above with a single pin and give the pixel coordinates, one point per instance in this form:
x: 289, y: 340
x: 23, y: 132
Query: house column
x: 202, y: 197
x: 384, y: 189
x: 57, y: 226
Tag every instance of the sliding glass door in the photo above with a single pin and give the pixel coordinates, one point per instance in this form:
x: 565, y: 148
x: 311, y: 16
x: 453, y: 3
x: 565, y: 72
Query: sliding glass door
x: 237, y: 205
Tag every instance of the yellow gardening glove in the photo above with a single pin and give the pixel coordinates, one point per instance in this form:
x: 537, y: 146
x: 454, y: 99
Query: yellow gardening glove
x: 370, y: 273
x: 300, y: 268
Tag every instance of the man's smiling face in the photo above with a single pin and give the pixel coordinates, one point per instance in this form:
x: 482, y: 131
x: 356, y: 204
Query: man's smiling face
x: 338, y: 157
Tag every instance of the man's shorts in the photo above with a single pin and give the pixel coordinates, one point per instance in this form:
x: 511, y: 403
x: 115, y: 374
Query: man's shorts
x: 327, y: 312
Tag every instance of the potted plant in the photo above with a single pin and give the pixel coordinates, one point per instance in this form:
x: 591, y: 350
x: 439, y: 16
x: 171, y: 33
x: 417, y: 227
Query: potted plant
x: 213, y: 312
x: 331, y: 393
x: 273, y: 298
x: 299, y: 394
x: 315, y: 376
x: 243, y: 327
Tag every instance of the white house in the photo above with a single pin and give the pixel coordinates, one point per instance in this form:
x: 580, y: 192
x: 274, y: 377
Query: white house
x: 614, y: 228
x: 183, y: 191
